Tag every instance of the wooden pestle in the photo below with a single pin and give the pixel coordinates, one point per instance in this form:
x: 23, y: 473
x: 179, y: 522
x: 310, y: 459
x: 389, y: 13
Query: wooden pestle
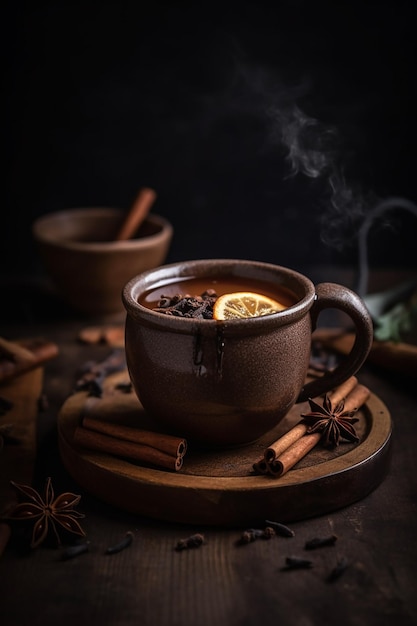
x: 137, y: 213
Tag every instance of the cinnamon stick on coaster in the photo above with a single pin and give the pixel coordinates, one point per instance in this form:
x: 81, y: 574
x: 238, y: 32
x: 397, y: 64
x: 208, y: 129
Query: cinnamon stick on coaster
x: 284, y: 453
x: 143, y: 446
x: 173, y: 446
x: 342, y: 391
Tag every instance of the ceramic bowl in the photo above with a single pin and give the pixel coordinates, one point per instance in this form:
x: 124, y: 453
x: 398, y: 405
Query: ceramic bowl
x: 87, y: 267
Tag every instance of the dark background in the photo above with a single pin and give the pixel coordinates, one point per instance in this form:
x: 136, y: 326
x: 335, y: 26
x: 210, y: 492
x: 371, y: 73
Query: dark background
x: 204, y: 102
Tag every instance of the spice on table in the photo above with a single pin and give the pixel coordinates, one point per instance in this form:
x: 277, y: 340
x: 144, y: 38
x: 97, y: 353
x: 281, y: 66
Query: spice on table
x: 94, y: 373
x: 320, y: 542
x: 73, y: 551
x: 280, y: 529
x: 47, y: 512
x: 193, y: 541
x: 251, y: 534
x: 338, y: 570
x: 295, y: 562
x: 121, y: 545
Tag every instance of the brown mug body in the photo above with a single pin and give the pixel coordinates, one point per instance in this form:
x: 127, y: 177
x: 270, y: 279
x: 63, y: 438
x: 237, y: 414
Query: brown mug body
x: 226, y: 383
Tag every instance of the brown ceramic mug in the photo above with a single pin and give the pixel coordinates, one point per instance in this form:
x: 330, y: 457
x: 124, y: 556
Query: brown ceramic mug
x: 229, y: 382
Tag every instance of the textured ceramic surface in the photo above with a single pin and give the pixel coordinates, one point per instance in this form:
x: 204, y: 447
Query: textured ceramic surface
x: 228, y: 383
x: 88, y: 269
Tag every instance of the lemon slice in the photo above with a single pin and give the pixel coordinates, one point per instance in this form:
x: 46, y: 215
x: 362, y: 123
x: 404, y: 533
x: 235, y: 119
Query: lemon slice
x: 244, y: 304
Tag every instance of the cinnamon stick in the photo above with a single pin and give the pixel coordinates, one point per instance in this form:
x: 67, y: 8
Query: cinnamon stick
x: 356, y: 398
x: 17, y: 357
x: 101, y: 442
x: 339, y: 393
x: 137, y: 214
x: 286, y: 451
x: 278, y: 447
x: 168, y: 444
x: 293, y: 454
x: 302, y: 446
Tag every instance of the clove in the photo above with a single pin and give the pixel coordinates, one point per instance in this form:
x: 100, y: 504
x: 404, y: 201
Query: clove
x: 320, y: 542
x: 121, y: 545
x: 251, y: 534
x: 280, y: 529
x: 337, y: 571
x: 295, y: 562
x: 75, y: 550
x: 194, y: 541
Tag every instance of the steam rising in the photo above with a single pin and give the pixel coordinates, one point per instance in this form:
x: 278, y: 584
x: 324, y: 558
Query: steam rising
x: 313, y: 151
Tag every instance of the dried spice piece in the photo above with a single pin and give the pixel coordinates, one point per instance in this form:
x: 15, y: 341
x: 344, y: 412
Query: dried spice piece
x: 340, y: 568
x: 185, y: 305
x: 47, y: 513
x: 280, y: 529
x: 251, y: 534
x: 295, y: 562
x: 75, y: 550
x: 333, y: 424
x: 94, y: 374
x: 320, y: 542
x: 121, y: 545
x: 194, y: 541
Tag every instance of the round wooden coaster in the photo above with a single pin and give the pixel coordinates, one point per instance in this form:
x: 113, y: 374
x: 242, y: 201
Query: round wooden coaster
x: 218, y: 487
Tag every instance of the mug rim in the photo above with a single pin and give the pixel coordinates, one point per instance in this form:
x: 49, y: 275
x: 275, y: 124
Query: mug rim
x: 150, y: 279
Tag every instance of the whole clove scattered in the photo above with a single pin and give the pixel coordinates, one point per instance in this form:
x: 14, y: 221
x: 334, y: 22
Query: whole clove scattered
x: 76, y: 550
x: 340, y: 568
x: 193, y: 541
x: 295, y: 562
x: 121, y: 545
x: 280, y: 529
x: 251, y: 534
x: 320, y: 542
x: 94, y: 373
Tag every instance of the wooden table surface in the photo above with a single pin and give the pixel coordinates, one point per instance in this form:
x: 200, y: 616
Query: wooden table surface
x: 220, y: 582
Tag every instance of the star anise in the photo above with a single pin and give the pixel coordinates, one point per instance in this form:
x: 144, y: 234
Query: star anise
x: 47, y: 513
x: 334, y: 424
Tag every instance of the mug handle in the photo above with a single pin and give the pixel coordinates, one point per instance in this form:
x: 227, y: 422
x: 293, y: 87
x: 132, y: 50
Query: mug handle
x: 332, y: 295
